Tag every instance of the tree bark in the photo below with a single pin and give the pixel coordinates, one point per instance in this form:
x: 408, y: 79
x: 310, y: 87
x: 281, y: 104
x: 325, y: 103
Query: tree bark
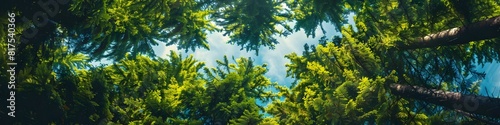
x: 486, y: 29
x: 475, y: 104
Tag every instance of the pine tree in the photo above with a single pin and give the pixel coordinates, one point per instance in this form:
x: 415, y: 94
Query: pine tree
x: 252, y: 24
x: 469, y: 103
x: 233, y: 90
x: 112, y: 28
x: 309, y: 14
x: 486, y: 29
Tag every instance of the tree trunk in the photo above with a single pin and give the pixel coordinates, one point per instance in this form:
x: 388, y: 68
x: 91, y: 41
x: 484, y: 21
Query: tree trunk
x: 475, y: 104
x: 486, y: 29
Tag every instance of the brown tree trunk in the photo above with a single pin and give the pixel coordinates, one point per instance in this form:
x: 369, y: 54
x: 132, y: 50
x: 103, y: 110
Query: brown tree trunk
x: 475, y: 104
x: 486, y: 29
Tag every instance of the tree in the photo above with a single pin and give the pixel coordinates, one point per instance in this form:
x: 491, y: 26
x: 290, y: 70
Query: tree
x: 233, y: 90
x: 333, y: 88
x: 403, y: 62
x: 449, y: 64
x: 252, y: 24
x: 380, y: 37
x: 309, y: 14
x: 151, y: 91
x: 173, y: 91
x: 469, y: 103
x: 63, y: 86
x: 112, y: 28
x: 486, y: 29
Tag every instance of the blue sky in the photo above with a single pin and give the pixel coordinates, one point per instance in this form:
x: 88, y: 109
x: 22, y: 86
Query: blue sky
x: 492, y: 79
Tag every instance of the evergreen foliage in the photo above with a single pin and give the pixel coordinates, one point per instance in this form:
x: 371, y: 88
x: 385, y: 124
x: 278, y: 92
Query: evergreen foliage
x: 379, y: 71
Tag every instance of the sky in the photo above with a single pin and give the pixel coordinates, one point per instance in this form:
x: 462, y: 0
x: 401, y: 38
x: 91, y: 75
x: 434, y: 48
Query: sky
x: 492, y: 79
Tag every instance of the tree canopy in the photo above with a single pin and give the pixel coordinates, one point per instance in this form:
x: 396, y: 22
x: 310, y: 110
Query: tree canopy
x: 401, y: 62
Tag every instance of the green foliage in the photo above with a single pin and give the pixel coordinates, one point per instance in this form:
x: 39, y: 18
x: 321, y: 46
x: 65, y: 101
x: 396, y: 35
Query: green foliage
x: 385, y: 25
x: 70, y: 61
x: 332, y: 89
x: 350, y: 75
x: 309, y: 14
x: 339, y: 81
x: 65, y: 87
x: 252, y: 24
x: 234, y: 88
x: 113, y: 28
